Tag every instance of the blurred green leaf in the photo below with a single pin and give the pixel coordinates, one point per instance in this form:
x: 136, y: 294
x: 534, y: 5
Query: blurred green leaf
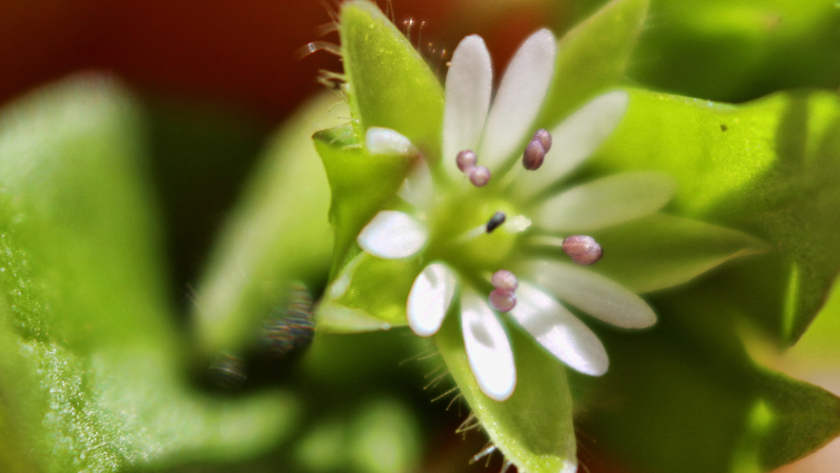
x: 388, y: 82
x: 686, y: 397
x: 278, y: 235
x: 737, y: 50
x: 385, y: 438
x: 89, y: 367
x: 769, y: 168
x: 533, y: 428
x: 380, y: 437
x: 663, y: 251
x: 592, y: 57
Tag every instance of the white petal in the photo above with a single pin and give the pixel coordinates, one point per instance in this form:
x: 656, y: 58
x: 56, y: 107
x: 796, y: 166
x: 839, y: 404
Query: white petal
x: 519, y: 99
x: 575, y: 140
x: 559, y: 331
x: 418, y: 189
x: 606, y: 202
x: 488, y: 348
x: 469, y: 84
x: 429, y: 298
x: 391, y: 235
x: 387, y: 141
x: 592, y: 293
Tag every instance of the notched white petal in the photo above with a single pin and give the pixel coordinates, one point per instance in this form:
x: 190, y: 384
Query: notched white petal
x: 392, y: 235
x: 429, y: 299
x: 605, y: 202
x: 575, y: 139
x: 488, y: 349
x: 594, y: 294
x: 559, y: 331
x: 469, y: 84
x: 380, y: 140
x: 519, y: 98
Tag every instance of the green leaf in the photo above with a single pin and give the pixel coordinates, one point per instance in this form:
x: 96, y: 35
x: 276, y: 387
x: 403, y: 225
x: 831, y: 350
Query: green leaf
x: 533, y: 428
x: 388, y: 82
x: 592, y: 57
x: 277, y: 236
x: 90, y: 372
x: 663, y: 251
x: 686, y: 397
x: 769, y: 168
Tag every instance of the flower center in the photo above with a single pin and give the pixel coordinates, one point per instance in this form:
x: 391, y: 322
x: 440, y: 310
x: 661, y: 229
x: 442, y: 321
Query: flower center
x: 473, y: 232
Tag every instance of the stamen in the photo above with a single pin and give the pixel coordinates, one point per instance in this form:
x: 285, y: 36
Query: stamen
x: 466, y: 159
x: 544, y: 137
x: 583, y: 249
x: 502, y: 300
x: 504, y: 279
x: 495, y: 221
x: 479, y: 175
x: 533, y: 156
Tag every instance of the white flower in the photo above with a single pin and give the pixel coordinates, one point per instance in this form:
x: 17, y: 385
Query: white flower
x: 481, y: 215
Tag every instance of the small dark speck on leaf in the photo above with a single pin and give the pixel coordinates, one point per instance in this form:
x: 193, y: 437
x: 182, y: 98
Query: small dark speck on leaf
x: 723, y: 127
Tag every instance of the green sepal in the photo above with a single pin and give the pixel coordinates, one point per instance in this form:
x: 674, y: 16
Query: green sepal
x: 768, y: 168
x: 361, y: 185
x: 388, y: 83
x: 533, y: 428
x: 662, y: 251
x: 592, y: 57
x: 369, y: 294
x: 90, y: 367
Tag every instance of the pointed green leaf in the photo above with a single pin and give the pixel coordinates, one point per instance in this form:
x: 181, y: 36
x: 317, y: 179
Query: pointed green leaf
x: 769, y: 168
x: 662, y: 251
x: 388, y: 82
x: 278, y: 235
x: 533, y: 428
x: 592, y: 57
x: 90, y: 372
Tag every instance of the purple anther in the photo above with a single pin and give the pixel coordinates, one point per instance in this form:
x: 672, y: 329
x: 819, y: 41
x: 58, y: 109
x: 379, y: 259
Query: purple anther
x: 544, y: 137
x: 466, y: 159
x: 502, y: 300
x: 479, y: 175
x: 533, y: 156
x: 504, y: 279
x: 583, y: 249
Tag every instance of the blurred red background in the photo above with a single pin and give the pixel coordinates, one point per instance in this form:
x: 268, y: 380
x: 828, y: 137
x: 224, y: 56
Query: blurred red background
x: 234, y: 53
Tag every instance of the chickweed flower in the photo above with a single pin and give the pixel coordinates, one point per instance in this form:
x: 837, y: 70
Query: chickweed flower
x: 496, y: 233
